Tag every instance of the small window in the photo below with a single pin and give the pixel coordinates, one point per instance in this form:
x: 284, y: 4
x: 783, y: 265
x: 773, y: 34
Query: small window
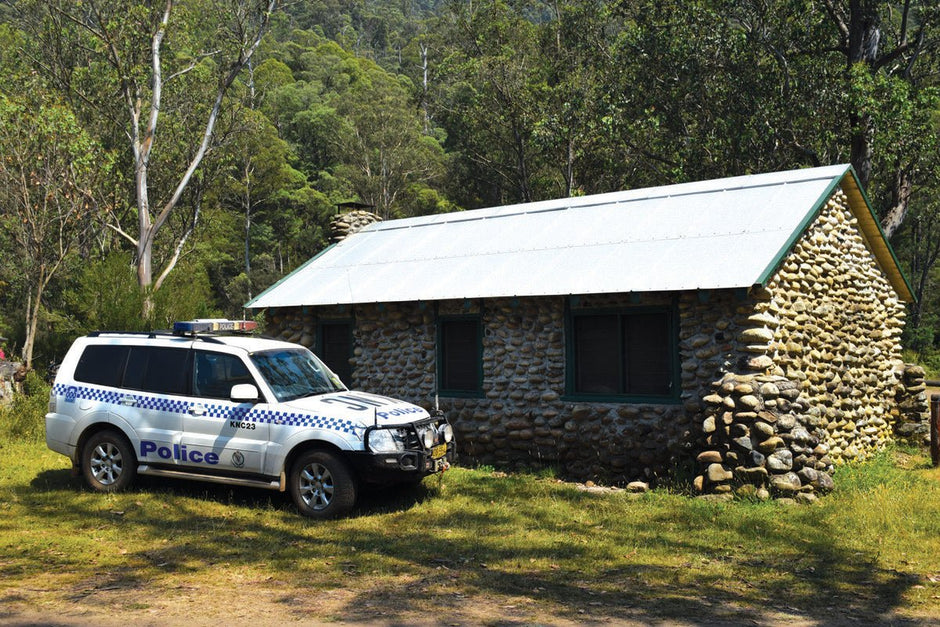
x: 160, y: 370
x: 335, y: 348
x: 214, y: 374
x: 626, y: 353
x: 460, y: 355
x: 102, y: 364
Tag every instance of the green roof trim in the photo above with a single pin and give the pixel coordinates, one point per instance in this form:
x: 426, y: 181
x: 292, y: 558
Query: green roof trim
x: 881, y: 234
x: 869, y: 225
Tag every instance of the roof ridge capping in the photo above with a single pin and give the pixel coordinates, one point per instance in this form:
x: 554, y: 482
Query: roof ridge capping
x: 745, y: 181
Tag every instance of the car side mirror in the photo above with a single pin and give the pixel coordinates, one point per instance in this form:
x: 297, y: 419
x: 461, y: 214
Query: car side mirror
x: 244, y: 393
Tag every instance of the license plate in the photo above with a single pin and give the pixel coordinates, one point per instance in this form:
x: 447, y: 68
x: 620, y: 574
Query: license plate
x: 438, y: 451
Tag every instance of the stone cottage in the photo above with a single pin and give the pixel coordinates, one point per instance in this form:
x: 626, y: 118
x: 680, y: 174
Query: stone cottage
x: 746, y: 329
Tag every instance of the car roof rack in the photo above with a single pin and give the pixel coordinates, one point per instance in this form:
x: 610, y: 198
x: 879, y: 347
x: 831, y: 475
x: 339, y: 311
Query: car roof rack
x: 201, y: 328
x: 148, y: 334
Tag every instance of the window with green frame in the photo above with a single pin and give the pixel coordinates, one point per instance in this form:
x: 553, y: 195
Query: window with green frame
x: 460, y: 355
x: 622, y: 353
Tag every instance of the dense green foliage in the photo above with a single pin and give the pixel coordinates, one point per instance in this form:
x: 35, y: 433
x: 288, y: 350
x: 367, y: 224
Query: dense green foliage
x: 418, y: 107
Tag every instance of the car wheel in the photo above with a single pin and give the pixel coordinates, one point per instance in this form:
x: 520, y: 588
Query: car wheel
x: 322, y: 485
x: 108, y: 462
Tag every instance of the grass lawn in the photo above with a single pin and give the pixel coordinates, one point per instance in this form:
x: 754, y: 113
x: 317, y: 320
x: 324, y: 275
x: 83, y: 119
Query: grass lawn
x: 478, y: 547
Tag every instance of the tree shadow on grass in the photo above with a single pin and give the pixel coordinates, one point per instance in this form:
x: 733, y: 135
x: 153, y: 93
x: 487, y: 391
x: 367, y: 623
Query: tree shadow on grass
x: 772, y: 573
x: 866, y: 597
x: 774, y: 576
x: 372, y: 499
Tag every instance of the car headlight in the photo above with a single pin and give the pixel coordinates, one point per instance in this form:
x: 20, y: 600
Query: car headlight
x: 447, y: 432
x: 384, y: 441
x: 427, y: 438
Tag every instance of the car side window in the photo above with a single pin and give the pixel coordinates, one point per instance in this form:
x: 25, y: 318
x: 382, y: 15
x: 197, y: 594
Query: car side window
x: 214, y: 374
x: 160, y: 370
x: 102, y: 364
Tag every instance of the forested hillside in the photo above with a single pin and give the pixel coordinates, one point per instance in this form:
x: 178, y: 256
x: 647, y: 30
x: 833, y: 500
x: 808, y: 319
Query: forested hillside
x: 164, y: 160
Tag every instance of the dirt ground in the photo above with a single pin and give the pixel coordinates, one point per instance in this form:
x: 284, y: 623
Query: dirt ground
x: 269, y: 603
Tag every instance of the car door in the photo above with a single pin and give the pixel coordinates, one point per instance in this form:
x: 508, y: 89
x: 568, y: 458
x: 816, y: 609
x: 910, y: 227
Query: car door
x: 218, y: 432
x: 153, y: 398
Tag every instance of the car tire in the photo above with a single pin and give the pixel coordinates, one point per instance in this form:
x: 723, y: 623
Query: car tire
x: 322, y: 485
x: 108, y: 462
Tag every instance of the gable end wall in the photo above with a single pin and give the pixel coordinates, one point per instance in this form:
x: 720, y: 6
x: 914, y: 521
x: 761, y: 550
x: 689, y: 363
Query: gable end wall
x: 819, y: 372
x: 839, y: 333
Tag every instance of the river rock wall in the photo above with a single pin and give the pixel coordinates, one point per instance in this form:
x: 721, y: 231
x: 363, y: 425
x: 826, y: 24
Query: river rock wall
x: 523, y: 417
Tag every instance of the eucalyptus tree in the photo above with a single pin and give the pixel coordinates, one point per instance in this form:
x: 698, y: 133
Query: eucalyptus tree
x: 730, y: 86
x: 494, y: 73
x: 353, y: 126
x: 866, y: 69
x: 385, y: 152
x: 50, y: 171
x: 258, y: 180
x: 155, y: 76
x: 890, y: 51
x: 573, y: 123
x: 859, y: 83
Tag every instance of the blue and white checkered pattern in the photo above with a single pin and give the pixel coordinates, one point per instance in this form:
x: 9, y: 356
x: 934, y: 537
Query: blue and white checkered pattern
x: 223, y: 412
x: 72, y: 392
x: 157, y: 403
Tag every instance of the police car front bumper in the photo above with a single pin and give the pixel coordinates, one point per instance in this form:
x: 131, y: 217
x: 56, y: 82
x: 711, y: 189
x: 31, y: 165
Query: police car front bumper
x: 403, y: 466
x: 396, y: 453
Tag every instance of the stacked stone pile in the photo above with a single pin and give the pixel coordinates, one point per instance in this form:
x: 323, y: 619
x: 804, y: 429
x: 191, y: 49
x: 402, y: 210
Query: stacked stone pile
x: 913, y: 406
x: 345, y: 224
x: 761, y: 441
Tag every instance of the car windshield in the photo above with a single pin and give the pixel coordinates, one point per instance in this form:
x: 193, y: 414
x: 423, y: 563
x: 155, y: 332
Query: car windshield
x: 294, y: 373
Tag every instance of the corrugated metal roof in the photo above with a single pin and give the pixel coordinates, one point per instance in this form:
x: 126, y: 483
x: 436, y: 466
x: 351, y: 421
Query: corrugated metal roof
x: 715, y: 234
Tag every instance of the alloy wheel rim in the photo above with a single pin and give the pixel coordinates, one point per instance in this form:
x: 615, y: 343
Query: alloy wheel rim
x: 316, y: 486
x: 106, y: 463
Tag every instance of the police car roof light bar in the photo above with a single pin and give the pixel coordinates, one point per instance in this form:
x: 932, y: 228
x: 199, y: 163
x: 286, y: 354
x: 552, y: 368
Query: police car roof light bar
x: 213, y: 325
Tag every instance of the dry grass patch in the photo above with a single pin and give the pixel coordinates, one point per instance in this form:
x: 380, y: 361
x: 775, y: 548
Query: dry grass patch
x: 477, y: 548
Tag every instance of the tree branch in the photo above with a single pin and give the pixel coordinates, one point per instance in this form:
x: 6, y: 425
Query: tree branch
x: 117, y: 229
x: 234, y: 69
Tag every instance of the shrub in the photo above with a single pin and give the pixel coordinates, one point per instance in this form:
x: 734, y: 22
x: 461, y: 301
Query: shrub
x: 106, y: 297
x: 24, y: 417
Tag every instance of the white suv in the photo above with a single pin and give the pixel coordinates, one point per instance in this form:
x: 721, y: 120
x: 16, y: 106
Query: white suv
x: 237, y: 410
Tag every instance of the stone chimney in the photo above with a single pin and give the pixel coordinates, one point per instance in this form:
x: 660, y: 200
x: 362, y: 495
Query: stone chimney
x: 345, y: 224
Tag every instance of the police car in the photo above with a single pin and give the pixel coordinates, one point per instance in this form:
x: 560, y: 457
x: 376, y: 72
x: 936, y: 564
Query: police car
x: 212, y: 403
